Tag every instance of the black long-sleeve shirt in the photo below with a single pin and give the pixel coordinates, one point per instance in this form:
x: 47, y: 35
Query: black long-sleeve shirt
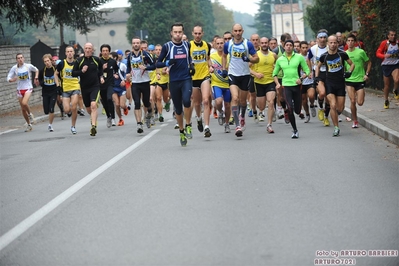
x: 91, y: 78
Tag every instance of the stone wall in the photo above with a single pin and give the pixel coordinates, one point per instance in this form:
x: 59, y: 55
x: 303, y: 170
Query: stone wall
x: 8, y: 94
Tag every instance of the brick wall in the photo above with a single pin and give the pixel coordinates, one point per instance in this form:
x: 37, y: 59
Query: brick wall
x: 8, y: 94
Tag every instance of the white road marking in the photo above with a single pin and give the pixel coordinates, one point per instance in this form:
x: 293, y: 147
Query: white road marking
x: 7, y: 131
x: 23, y: 226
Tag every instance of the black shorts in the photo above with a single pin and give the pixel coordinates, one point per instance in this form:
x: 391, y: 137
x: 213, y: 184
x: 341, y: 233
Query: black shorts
x: 90, y: 95
x: 388, y: 69
x: 336, y: 88
x: 252, y: 85
x: 197, y: 83
x: 356, y: 85
x: 263, y: 89
x: 164, y: 86
x: 305, y: 88
x: 322, y: 75
x: 242, y: 82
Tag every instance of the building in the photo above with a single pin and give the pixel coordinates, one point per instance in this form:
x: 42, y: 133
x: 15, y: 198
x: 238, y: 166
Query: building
x: 113, y: 32
x: 288, y: 18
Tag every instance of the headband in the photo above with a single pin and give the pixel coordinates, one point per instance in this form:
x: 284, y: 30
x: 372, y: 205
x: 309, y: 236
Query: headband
x: 322, y: 34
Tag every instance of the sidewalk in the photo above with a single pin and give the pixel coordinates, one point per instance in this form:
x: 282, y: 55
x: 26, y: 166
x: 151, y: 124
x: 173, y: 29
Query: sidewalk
x: 372, y: 115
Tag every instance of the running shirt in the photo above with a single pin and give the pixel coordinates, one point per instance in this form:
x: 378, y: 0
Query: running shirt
x: 265, y: 66
x: 237, y: 67
x: 335, y: 65
x: 291, y: 68
x: 164, y: 77
x: 91, y: 78
x: 358, y: 57
x: 112, y: 68
x: 24, y: 75
x: 47, y: 80
x: 306, y: 81
x: 279, y: 51
x: 200, y: 54
x: 121, y: 74
x: 392, y: 49
x: 216, y: 77
x: 69, y: 83
x: 143, y: 58
x: 181, y: 52
x: 314, y: 56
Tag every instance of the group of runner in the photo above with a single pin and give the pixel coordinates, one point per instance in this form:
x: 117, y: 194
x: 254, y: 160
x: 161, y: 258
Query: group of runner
x: 231, y: 72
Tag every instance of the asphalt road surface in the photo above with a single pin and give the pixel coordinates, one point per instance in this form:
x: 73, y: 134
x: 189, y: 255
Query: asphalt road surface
x: 121, y: 198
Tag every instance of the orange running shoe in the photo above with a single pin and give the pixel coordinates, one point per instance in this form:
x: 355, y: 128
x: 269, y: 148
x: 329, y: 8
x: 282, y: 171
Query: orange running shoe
x: 121, y: 122
x: 125, y: 111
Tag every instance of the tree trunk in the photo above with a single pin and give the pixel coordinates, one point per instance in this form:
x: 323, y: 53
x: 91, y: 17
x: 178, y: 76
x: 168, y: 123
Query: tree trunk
x: 61, y: 34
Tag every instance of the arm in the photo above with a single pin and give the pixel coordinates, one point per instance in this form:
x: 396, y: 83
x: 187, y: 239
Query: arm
x: 162, y: 55
x: 275, y: 73
x: 380, y: 53
x: 76, y: 72
x: 12, y: 77
x: 352, y: 65
x: 254, y: 58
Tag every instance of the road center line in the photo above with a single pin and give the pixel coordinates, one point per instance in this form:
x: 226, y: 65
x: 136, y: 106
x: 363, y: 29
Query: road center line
x: 23, y: 226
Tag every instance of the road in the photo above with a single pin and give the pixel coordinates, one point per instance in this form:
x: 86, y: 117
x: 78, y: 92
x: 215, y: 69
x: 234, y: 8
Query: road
x: 265, y: 199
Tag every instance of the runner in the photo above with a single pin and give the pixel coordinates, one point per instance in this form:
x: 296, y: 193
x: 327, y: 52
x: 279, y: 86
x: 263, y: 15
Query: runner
x: 70, y: 86
x: 220, y: 86
x: 252, y: 112
x: 241, y: 52
x: 90, y: 71
x: 162, y: 88
x: 290, y: 62
x: 388, y: 52
x: 334, y: 60
x: 177, y: 57
x: 264, y: 83
x: 119, y: 89
x: 308, y: 91
x: 21, y: 72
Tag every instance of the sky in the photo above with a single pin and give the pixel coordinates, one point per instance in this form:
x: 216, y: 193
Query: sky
x: 248, y: 6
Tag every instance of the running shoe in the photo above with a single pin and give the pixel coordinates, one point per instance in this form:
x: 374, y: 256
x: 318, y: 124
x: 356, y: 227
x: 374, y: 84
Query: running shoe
x: 200, y: 126
x: 274, y: 118
x: 261, y: 117
x: 28, y: 128
x: 140, y: 128
x: 250, y: 113
x: 103, y: 111
x: 231, y: 121
x: 93, y: 131
x: 167, y: 107
x: 161, y: 119
x: 215, y: 115
x: 386, y: 104
x: 113, y: 122
x: 396, y: 94
x: 286, y: 118
x: 301, y: 116
x: 152, y: 121
x: 321, y: 115
x: 176, y: 126
x: 31, y: 118
x: 307, y: 119
x: 121, y: 122
x: 256, y: 119
x: 226, y: 128
x: 183, y: 139
x: 50, y: 128
x: 126, y: 111
x: 129, y: 106
x: 339, y: 118
x: 69, y: 114
x: 81, y: 112
x: 238, y: 131
x: 189, y: 132
x: 207, y: 132
x: 295, y: 134
x: 326, y: 122
x: 313, y: 111
x: 355, y: 124
x: 221, y: 118
x: 148, y: 120
x: 336, y: 132
x: 109, y: 122
x: 269, y: 128
x: 73, y: 130
x: 156, y: 117
x: 280, y: 113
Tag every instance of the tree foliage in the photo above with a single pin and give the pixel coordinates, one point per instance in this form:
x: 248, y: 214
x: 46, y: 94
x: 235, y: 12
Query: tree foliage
x: 224, y: 19
x: 156, y: 17
x: 79, y: 15
x: 263, y: 19
x: 330, y: 15
x: 376, y: 17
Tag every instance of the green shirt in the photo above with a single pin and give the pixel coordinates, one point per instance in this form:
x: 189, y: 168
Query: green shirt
x: 291, y: 68
x: 359, y: 58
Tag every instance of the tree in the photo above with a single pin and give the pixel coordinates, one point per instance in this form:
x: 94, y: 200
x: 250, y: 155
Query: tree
x: 263, y: 19
x: 208, y: 19
x: 156, y: 17
x: 329, y: 15
x: 223, y: 18
x: 76, y: 14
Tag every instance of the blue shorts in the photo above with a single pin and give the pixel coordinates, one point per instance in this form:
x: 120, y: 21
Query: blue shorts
x: 221, y: 93
x: 119, y: 91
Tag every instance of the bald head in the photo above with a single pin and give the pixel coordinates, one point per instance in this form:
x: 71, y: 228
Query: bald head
x: 88, y: 49
x: 255, y: 40
x: 237, y: 32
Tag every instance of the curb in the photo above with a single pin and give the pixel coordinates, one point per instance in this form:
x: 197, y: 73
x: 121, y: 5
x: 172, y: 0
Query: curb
x: 375, y: 127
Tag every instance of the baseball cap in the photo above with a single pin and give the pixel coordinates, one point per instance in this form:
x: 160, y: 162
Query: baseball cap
x: 55, y: 57
x: 119, y: 52
x: 151, y: 47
